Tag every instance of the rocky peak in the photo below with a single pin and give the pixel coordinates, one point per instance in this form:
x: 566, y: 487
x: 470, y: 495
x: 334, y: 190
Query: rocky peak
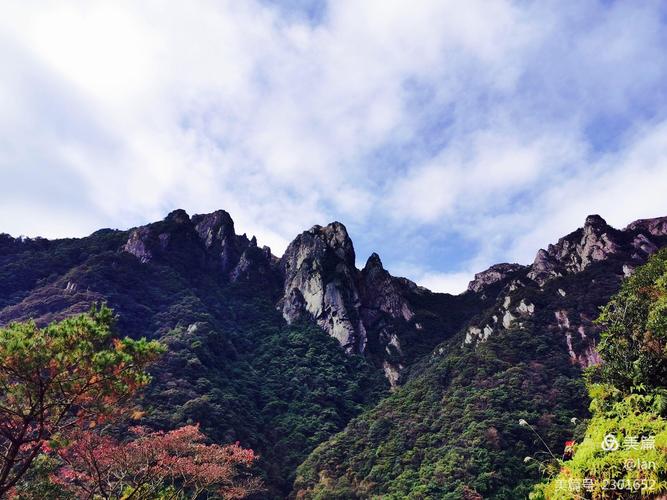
x: 255, y: 265
x: 373, y: 262
x: 595, y: 241
x: 654, y: 227
x: 216, y: 231
x: 594, y: 221
x: 320, y: 280
x: 214, y: 228
x: 493, y: 274
x: 381, y: 293
x: 322, y: 283
x: 137, y: 244
x: 335, y: 238
x: 147, y: 242
x: 178, y: 216
x: 205, y: 239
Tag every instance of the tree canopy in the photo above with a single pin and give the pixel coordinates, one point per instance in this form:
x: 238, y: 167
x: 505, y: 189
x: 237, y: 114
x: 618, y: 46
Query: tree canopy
x: 70, y: 373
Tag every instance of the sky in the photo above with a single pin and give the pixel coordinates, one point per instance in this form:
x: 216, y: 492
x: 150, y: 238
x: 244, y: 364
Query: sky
x: 446, y: 135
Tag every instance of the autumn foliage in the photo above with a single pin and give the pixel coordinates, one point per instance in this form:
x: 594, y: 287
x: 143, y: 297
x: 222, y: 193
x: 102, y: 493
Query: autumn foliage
x: 166, y: 465
x: 69, y: 374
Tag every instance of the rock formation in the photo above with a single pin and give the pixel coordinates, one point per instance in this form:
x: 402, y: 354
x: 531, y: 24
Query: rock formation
x: 320, y: 281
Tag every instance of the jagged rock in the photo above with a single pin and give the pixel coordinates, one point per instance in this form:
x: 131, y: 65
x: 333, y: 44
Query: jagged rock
x: 525, y: 308
x: 216, y: 230
x: 393, y: 373
x: 576, y: 251
x: 319, y: 264
x: 369, y: 307
x: 643, y: 244
x: 473, y: 333
x: 655, y: 227
x: 253, y: 265
x: 322, y: 282
x: 380, y: 293
x: 493, y: 275
x: 294, y: 305
x: 597, y: 241
x: 207, y: 240
x: 153, y: 240
x: 544, y: 267
x: 508, y: 319
x: 562, y: 319
x: 178, y: 216
x: 137, y: 244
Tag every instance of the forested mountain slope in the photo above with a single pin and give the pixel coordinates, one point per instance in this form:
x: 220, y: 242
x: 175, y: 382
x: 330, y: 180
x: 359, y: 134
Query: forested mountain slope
x: 452, y: 431
x: 246, y: 356
x: 283, y: 353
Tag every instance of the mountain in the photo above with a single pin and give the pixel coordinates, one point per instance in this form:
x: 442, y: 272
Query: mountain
x: 277, y: 353
x: 451, y: 431
x: 282, y: 354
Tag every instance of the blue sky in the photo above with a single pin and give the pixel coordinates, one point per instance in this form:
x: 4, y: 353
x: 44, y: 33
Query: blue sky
x: 446, y: 135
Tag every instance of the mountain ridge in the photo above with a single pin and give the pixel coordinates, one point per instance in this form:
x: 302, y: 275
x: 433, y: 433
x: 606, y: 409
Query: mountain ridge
x: 254, y: 341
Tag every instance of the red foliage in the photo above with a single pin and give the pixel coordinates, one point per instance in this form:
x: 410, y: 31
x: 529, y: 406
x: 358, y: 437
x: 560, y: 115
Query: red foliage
x: 99, y: 465
x: 70, y: 373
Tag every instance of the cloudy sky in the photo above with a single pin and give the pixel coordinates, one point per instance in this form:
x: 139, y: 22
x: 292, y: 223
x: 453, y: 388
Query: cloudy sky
x: 446, y: 135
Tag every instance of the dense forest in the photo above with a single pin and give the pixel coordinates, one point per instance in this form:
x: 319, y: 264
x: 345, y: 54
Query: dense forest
x: 318, y: 380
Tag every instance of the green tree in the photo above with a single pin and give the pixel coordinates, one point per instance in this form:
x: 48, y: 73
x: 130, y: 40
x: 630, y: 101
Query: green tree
x: 634, y: 341
x: 624, y: 452
x: 67, y: 374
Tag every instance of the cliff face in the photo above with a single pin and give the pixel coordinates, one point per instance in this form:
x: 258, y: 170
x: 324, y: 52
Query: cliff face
x: 203, y: 241
x: 320, y: 282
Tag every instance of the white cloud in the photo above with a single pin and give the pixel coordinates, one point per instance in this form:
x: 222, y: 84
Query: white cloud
x: 500, y: 122
x: 453, y: 283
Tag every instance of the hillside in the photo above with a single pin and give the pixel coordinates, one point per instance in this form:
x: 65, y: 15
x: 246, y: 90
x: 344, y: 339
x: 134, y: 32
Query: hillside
x: 452, y: 431
x: 283, y: 353
x: 215, y: 298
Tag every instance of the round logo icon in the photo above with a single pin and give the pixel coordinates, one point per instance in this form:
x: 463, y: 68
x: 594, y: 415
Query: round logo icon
x: 610, y: 443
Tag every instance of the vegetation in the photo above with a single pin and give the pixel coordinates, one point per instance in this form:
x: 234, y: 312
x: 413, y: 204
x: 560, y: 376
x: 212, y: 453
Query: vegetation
x: 66, y: 389
x: 53, y: 378
x: 452, y: 431
x: 624, y: 452
x: 232, y: 365
x: 165, y: 465
x: 233, y: 371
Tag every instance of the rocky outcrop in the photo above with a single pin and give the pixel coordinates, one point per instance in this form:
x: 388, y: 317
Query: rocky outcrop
x: 216, y: 231
x: 322, y: 283
x: 620, y: 251
x: 594, y: 242
x: 255, y: 264
x: 654, y: 227
x: 320, y: 280
x: 381, y: 293
x: 138, y: 244
x: 163, y: 238
x: 207, y: 240
x: 371, y: 312
x: 597, y: 241
x: 317, y: 275
x: 493, y: 275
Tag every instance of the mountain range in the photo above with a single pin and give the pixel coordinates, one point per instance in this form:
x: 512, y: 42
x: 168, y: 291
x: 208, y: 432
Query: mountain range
x: 350, y: 383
